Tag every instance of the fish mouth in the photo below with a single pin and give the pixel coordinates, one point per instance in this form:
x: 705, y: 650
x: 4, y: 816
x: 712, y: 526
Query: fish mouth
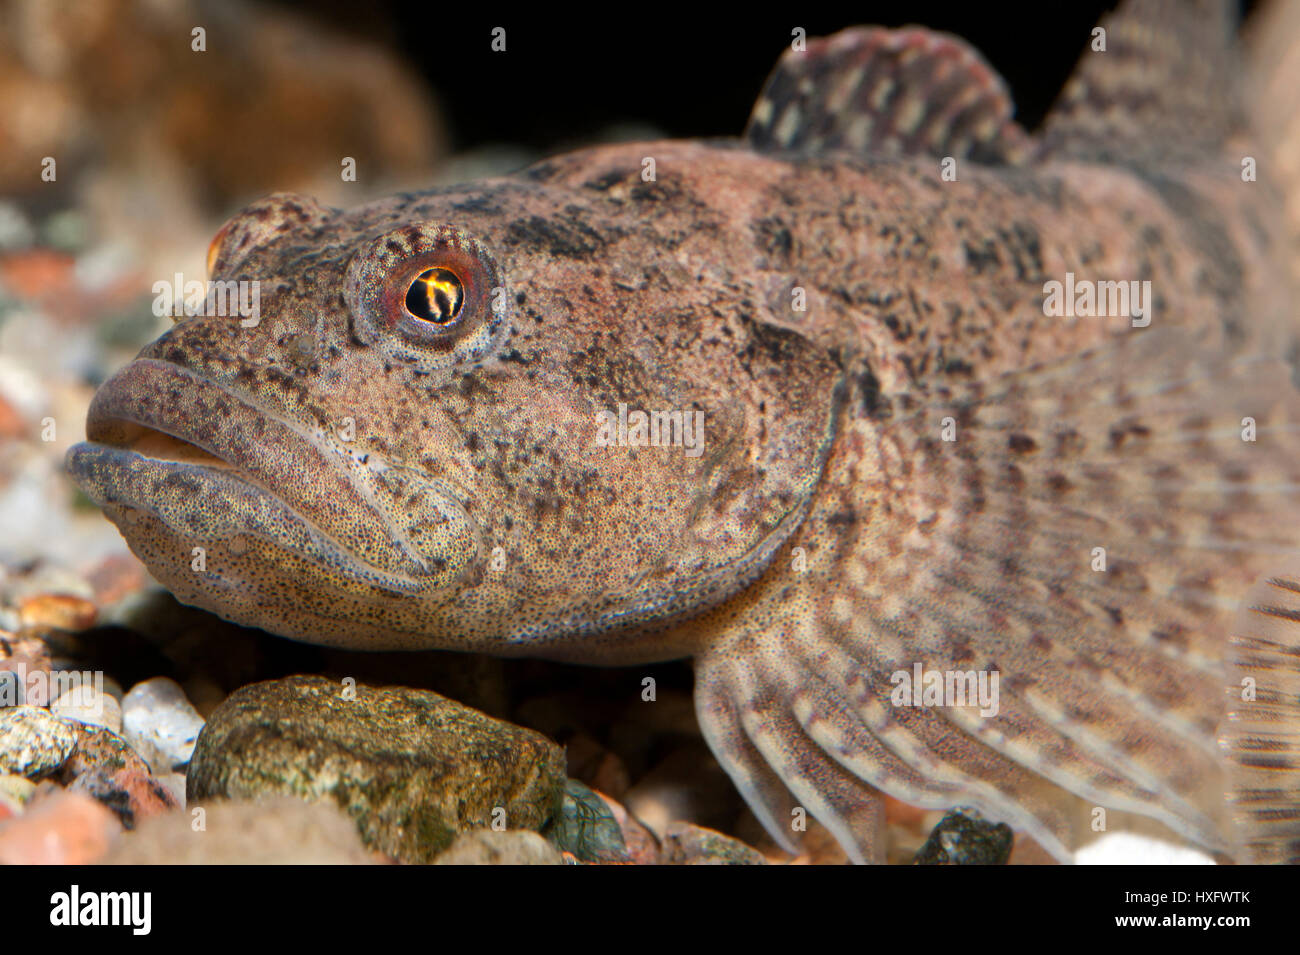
x: 169, y: 450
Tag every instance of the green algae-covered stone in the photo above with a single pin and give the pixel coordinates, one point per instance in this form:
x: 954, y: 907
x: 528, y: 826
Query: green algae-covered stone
x: 412, y: 768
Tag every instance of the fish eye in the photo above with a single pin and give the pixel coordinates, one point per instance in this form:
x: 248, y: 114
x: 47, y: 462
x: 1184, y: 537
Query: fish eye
x: 436, y: 295
x: 430, y: 295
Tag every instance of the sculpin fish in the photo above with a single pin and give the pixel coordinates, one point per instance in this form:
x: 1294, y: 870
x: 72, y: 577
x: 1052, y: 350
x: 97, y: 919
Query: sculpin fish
x: 882, y: 406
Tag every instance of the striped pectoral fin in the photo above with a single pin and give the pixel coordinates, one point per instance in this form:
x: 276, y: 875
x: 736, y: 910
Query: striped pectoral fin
x: 1087, y: 538
x: 799, y: 710
x: 1261, y: 732
x: 1091, y: 544
x: 764, y: 730
x: 797, y: 696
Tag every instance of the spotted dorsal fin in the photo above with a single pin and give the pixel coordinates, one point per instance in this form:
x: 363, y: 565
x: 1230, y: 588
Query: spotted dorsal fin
x: 1162, y: 90
x: 890, y: 92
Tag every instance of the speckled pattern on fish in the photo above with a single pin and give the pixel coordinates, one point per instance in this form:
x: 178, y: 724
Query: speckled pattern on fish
x: 906, y: 459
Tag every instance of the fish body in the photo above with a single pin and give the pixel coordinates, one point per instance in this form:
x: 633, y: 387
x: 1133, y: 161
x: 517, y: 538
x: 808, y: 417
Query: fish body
x: 886, y: 388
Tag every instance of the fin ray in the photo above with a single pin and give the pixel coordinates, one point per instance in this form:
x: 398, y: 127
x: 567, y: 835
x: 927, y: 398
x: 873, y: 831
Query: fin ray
x: 1259, y: 733
x: 888, y: 92
x: 1162, y: 90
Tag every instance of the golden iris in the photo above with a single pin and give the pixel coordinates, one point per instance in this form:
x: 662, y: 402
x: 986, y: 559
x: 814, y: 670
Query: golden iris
x: 436, y: 296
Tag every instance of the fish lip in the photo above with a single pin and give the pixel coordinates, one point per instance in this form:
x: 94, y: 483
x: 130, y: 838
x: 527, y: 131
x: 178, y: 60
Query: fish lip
x: 176, y: 401
x: 130, y: 398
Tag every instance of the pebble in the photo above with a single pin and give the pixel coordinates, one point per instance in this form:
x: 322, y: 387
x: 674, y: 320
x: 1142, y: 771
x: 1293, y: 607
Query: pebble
x: 175, y: 784
x: 964, y: 837
x: 642, y: 846
x: 60, y: 611
x: 24, y: 660
x: 159, y: 721
x: 86, y: 704
x: 45, y: 586
x: 105, y: 767
x: 412, y: 768
x: 66, y: 828
x: 278, y: 831
x: 15, y: 791
x: 685, y: 844
x: 507, y: 847
x: 12, y: 425
x: 133, y: 796
x: 32, y: 742
x: 1134, y: 848
x: 586, y: 828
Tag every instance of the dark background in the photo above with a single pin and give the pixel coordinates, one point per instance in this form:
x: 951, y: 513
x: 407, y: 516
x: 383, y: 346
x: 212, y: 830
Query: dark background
x: 690, y: 72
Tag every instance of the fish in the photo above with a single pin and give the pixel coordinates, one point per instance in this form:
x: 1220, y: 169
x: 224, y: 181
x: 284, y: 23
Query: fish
x: 960, y: 460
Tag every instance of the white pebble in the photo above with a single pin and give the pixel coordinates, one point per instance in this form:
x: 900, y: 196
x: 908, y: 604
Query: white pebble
x: 87, y: 704
x: 159, y: 721
x: 1130, y: 848
x: 15, y: 791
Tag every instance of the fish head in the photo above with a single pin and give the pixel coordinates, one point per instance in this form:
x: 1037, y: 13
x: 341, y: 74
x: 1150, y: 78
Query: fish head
x: 514, y: 416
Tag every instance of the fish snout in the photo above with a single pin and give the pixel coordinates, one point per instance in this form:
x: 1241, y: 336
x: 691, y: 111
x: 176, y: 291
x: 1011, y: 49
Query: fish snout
x: 212, y: 465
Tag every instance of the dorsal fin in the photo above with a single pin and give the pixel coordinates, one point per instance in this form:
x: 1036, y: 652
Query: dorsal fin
x: 1163, y: 89
x: 890, y: 92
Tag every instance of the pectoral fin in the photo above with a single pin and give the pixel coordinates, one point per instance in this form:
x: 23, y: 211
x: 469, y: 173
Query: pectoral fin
x: 1088, y: 536
x: 1261, y: 733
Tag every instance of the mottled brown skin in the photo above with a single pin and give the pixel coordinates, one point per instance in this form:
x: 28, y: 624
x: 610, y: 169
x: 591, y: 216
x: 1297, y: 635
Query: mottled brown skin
x: 605, y: 304
x: 827, y: 536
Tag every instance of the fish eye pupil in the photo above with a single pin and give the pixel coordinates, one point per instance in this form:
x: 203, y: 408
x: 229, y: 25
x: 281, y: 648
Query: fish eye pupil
x: 436, y: 295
